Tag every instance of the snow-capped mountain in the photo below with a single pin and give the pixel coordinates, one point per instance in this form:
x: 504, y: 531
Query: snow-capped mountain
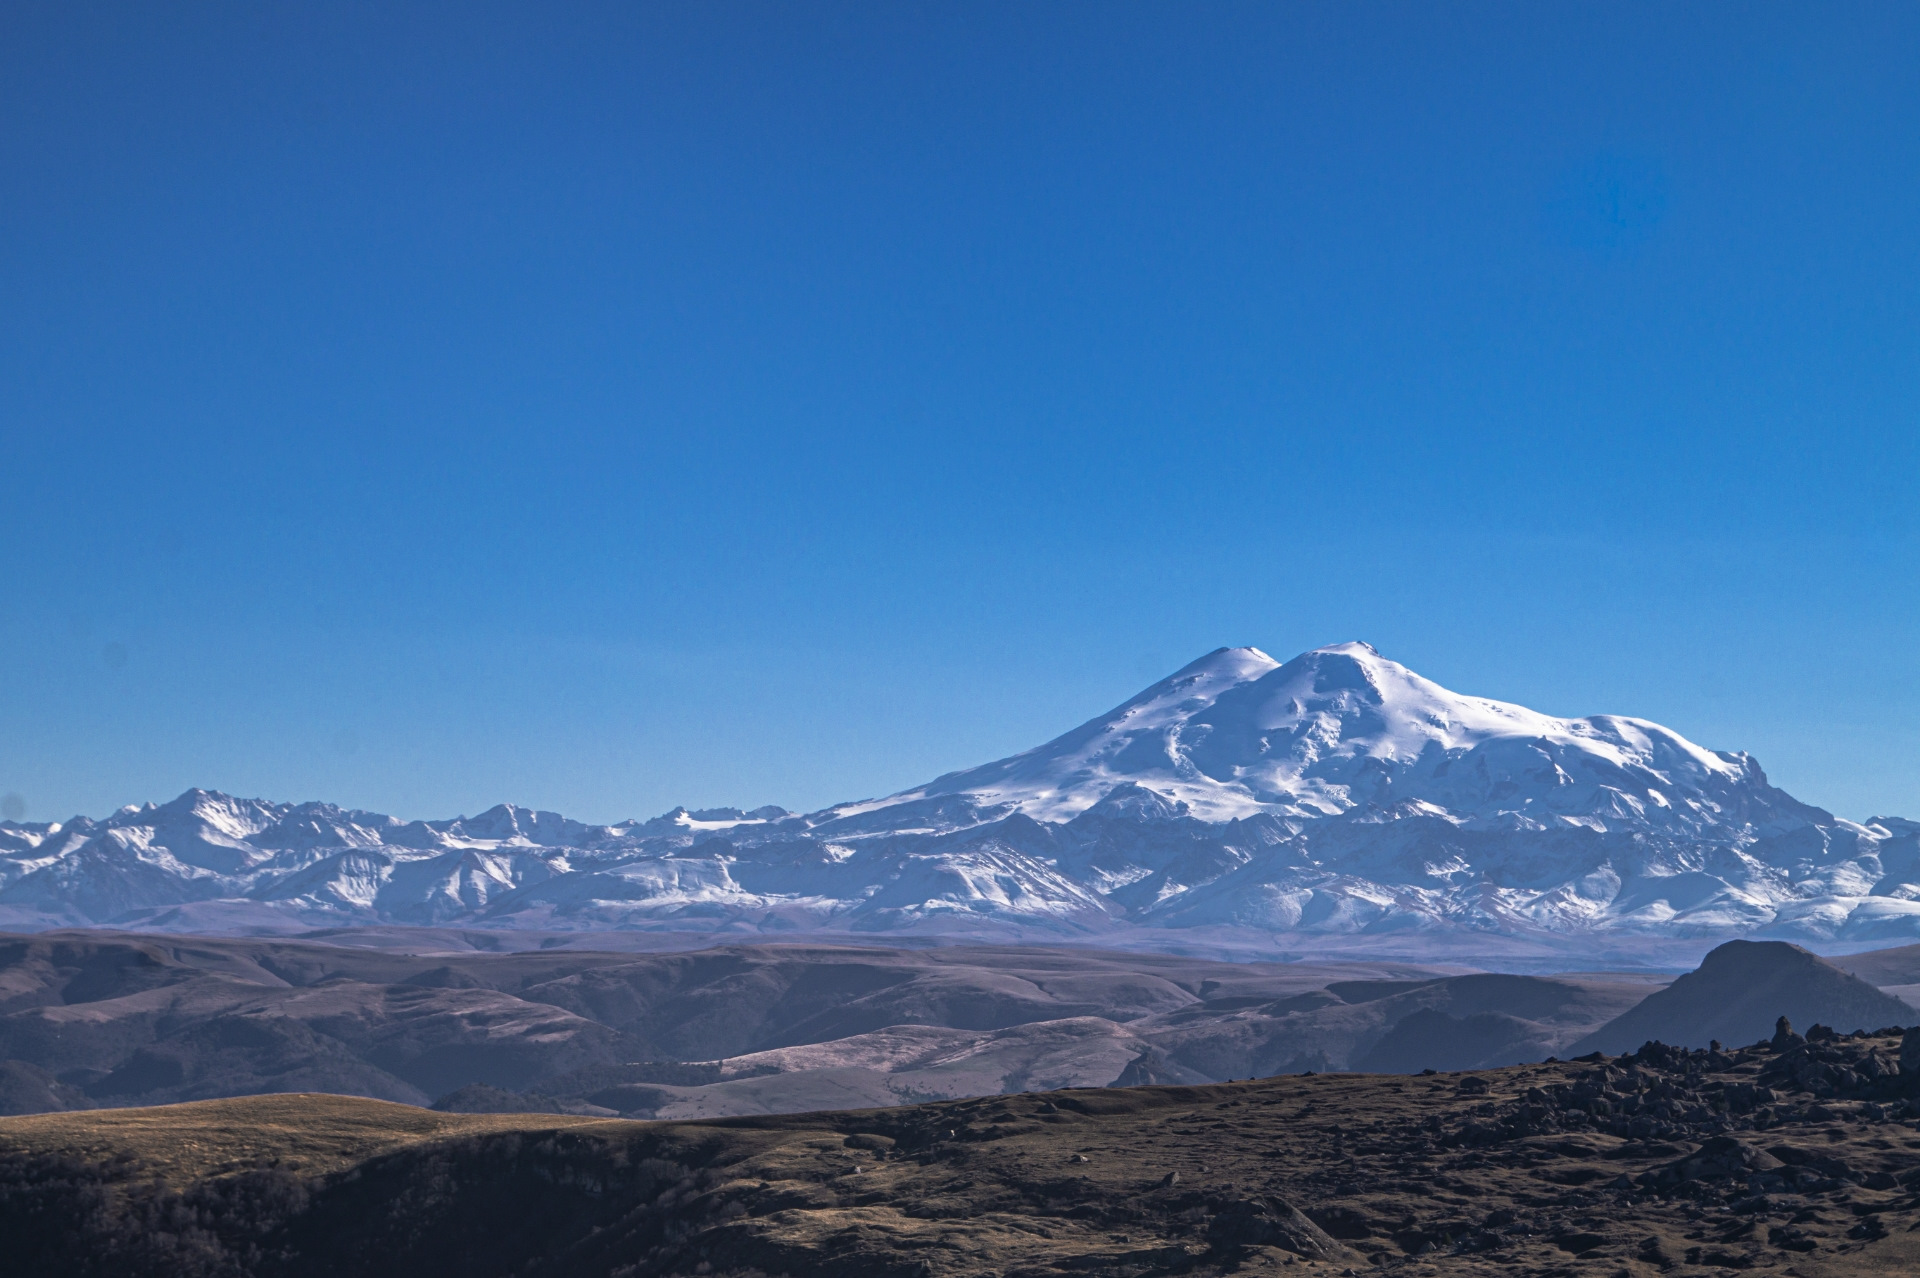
x: 1238, y: 733
x: 1337, y: 794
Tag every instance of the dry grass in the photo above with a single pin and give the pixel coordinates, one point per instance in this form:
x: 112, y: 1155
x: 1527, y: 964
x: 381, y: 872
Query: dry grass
x: 303, y: 1132
x: 1065, y: 1183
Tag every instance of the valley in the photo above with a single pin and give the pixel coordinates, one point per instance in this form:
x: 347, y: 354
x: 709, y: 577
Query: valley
x: 90, y: 1019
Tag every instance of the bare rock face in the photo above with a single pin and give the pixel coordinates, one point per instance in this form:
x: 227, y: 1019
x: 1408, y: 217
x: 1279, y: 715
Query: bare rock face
x: 1267, y: 1221
x: 1910, y: 1052
x: 1721, y: 1158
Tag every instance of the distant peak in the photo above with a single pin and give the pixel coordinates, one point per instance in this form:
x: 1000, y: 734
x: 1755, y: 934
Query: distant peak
x: 1350, y: 647
x: 199, y: 800
x: 1247, y: 653
x: 1747, y: 956
x: 1234, y: 662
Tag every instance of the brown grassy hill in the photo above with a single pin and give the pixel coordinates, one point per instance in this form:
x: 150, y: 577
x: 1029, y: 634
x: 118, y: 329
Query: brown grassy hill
x: 90, y: 1019
x: 1738, y: 991
x: 1897, y: 966
x: 1895, y: 971
x: 1798, y: 1163
x: 201, y: 1140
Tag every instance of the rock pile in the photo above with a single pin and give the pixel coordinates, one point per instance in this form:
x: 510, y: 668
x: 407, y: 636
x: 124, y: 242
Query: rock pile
x: 1737, y: 1105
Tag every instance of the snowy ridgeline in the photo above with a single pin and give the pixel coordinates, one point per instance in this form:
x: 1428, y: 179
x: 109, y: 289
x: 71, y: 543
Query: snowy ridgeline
x: 1338, y: 794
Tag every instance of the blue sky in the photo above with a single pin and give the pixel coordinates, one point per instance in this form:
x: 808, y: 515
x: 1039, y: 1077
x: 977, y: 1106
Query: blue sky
x: 608, y: 407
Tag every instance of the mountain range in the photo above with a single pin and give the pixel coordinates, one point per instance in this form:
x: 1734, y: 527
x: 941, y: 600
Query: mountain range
x: 1334, y: 799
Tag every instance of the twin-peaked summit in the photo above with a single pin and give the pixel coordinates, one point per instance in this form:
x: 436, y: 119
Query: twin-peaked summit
x: 1237, y: 733
x: 1338, y: 794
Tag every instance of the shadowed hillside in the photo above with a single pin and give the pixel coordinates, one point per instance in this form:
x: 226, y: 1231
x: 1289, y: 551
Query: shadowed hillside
x: 1737, y: 993
x: 1799, y: 1161
x: 92, y: 1019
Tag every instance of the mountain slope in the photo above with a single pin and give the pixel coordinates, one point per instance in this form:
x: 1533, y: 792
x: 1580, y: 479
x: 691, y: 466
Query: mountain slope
x: 1656, y: 1164
x: 91, y: 1019
x: 1237, y: 733
x: 1258, y: 803
x: 1737, y: 993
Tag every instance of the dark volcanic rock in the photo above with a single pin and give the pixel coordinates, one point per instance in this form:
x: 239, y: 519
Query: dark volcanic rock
x: 1270, y: 1222
x: 1556, y: 1170
x: 1722, y: 1157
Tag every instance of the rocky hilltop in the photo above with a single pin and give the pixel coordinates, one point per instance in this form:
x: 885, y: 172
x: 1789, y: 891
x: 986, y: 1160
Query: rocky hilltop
x: 1792, y: 1156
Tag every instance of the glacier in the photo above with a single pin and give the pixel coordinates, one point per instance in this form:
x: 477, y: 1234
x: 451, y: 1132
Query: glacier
x: 1337, y: 798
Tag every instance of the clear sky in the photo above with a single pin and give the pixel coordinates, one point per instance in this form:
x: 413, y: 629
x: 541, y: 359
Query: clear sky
x: 603, y: 407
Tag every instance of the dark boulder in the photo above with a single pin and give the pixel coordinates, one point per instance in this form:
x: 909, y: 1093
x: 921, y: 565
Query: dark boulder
x: 1721, y: 1158
x: 1816, y: 1161
x: 1267, y: 1221
x: 1342, y: 1222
